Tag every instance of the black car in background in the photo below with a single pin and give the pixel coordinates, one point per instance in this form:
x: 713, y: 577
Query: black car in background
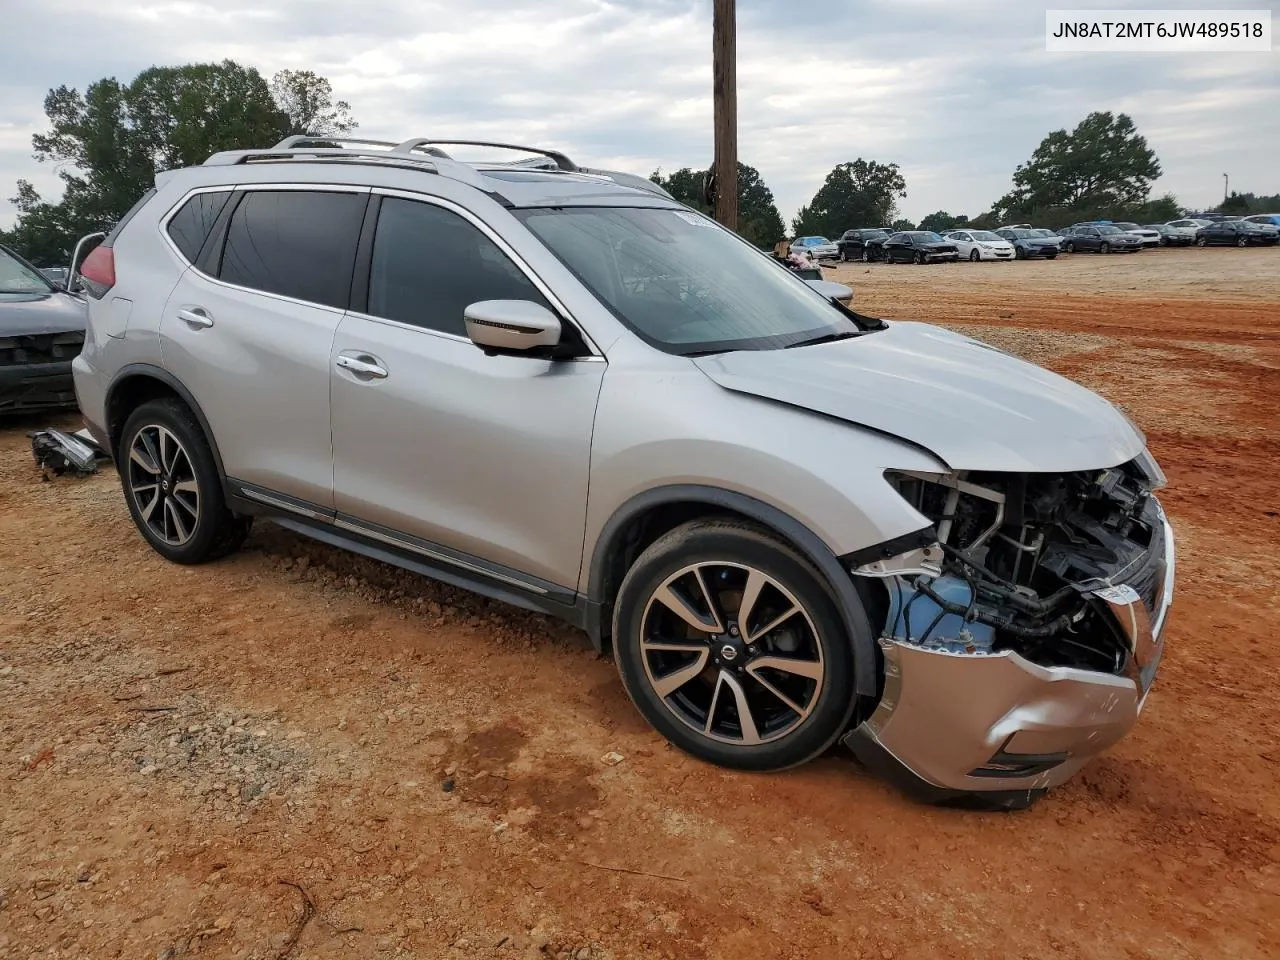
x: 41, y: 332
x: 1239, y: 233
x: 1029, y: 243
x: 1100, y: 238
x: 1169, y: 237
x: 862, y: 244
x: 919, y: 246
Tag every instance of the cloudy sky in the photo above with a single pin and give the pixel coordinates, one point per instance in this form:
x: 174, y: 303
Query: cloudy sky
x: 957, y: 92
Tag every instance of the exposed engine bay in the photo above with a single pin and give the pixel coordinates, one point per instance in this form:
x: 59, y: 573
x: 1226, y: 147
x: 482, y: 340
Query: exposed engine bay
x: 1030, y: 563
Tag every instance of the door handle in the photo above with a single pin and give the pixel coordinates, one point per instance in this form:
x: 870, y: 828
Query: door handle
x: 363, y: 365
x: 195, y: 317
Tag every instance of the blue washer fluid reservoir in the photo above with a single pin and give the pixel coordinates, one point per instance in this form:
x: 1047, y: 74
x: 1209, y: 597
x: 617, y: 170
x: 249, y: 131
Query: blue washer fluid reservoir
x: 911, y: 613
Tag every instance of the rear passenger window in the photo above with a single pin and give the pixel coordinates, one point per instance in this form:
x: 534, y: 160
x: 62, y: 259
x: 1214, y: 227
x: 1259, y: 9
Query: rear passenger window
x: 190, y: 226
x: 297, y: 243
x: 429, y: 265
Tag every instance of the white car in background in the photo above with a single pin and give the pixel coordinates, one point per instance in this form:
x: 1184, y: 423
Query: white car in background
x: 819, y: 248
x: 1187, y: 228
x: 1150, y: 238
x: 981, y: 245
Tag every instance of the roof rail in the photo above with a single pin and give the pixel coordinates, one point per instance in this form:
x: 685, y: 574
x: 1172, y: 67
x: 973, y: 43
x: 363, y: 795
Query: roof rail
x: 419, y: 143
x: 437, y: 162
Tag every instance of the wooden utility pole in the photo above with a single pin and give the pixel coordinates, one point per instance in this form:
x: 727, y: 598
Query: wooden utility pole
x: 724, y: 47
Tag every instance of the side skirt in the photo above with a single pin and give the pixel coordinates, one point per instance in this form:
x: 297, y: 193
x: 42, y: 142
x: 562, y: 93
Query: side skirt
x: 409, y: 553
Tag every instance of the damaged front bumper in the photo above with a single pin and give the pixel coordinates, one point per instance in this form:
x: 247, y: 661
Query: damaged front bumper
x: 997, y: 730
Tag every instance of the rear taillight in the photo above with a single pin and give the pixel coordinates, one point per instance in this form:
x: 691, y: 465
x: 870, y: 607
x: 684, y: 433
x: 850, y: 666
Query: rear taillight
x: 99, y: 272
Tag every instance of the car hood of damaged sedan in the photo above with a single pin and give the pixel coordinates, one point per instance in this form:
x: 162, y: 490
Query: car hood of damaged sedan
x: 971, y: 405
x: 38, y: 313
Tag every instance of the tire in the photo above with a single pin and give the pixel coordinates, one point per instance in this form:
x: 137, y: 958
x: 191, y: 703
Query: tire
x: 919, y: 258
x: 1051, y: 256
x: 166, y: 466
x: 974, y: 256
x: 1105, y: 248
x: 1242, y: 242
x: 1070, y: 248
x: 844, y: 255
x: 1201, y: 242
x: 1162, y: 242
x: 866, y: 257
x: 1019, y: 253
x: 684, y: 694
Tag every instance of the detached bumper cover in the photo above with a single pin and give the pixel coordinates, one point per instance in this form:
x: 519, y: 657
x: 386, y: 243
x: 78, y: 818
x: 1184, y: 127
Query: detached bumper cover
x: 955, y: 726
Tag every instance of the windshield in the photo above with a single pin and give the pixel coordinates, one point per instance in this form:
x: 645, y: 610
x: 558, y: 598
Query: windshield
x: 984, y: 235
x: 1041, y: 233
x: 1128, y: 226
x: 1107, y: 231
x: 815, y: 241
x: 927, y: 236
x: 682, y: 283
x: 1022, y: 234
x: 17, y: 277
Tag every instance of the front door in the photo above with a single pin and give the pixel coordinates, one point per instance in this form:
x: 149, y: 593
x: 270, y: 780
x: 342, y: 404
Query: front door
x: 486, y: 455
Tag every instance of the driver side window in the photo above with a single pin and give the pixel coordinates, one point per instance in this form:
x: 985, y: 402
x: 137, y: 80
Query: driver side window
x: 429, y: 264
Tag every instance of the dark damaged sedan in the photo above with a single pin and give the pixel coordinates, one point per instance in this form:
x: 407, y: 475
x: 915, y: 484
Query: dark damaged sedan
x: 41, y: 332
x: 919, y: 246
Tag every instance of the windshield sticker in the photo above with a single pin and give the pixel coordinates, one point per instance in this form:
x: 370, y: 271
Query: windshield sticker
x: 693, y: 218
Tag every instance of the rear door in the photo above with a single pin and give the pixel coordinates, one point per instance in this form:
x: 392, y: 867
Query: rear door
x: 436, y: 444
x: 249, y: 330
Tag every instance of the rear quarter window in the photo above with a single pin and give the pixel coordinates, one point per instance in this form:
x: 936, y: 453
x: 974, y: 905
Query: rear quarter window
x: 189, y: 227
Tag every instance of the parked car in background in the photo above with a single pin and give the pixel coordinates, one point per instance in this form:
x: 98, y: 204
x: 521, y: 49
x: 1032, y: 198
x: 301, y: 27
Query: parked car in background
x: 1149, y: 237
x: 919, y: 246
x: 1171, y: 236
x: 1239, y: 233
x: 1045, y: 234
x: 41, y: 332
x: 853, y: 244
x: 58, y: 276
x: 1266, y: 219
x: 980, y: 245
x: 1028, y: 244
x: 820, y: 248
x: 1188, y: 227
x: 810, y: 559
x: 1103, y: 238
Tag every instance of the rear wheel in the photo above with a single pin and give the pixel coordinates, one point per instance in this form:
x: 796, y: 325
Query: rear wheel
x: 172, y: 487
x: 1242, y: 241
x: 1201, y: 242
x: 729, y: 644
x: 919, y: 258
x: 1105, y: 248
x: 1070, y: 247
x: 844, y: 255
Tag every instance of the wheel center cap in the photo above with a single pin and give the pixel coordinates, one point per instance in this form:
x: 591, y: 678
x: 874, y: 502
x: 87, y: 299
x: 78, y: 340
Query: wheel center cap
x: 728, y: 653
x: 164, y: 486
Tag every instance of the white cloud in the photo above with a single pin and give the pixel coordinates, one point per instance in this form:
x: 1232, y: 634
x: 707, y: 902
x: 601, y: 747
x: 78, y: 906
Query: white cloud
x: 956, y: 93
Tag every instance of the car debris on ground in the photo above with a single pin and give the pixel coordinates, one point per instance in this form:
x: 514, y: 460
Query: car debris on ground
x: 56, y: 452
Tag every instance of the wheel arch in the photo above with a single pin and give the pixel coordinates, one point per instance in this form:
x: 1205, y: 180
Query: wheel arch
x: 137, y: 383
x: 648, y: 515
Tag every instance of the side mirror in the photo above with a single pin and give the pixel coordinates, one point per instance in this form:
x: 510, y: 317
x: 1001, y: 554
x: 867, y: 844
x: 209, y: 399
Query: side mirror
x: 511, y: 326
x: 832, y: 290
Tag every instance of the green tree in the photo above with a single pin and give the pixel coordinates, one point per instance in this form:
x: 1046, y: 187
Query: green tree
x: 307, y: 100
x: 859, y: 194
x: 1237, y: 203
x: 112, y: 140
x: 758, y: 219
x: 902, y: 225
x: 1103, y: 162
x: 941, y: 221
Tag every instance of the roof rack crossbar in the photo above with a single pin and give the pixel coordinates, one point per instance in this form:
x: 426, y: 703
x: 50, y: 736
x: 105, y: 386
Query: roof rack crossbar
x: 302, y: 139
x: 418, y: 143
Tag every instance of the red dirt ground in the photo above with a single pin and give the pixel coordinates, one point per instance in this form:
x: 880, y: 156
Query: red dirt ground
x: 176, y: 742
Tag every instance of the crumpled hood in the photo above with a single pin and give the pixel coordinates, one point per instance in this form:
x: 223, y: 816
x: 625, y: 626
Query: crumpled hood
x: 971, y: 405
x: 41, y: 313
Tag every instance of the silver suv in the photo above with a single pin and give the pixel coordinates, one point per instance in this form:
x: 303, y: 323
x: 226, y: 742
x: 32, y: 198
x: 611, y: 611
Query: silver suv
x: 789, y: 523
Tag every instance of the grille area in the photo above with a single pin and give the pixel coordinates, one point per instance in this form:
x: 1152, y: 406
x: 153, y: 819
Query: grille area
x: 40, y: 348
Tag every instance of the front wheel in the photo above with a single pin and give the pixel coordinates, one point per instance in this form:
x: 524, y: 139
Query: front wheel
x: 1070, y: 248
x: 1105, y: 248
x: 844, y: 256
x: 919, y: 258
x: 171, y: 485
x: 729, y: 644
x: 1242, y: 241
x: 974, y: 256
x: 1201, y: 242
